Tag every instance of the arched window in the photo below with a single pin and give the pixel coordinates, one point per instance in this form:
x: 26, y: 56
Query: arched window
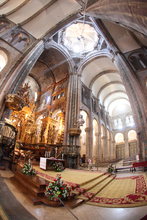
x: 3, y: 59
x: 118, y: 123
x: 132, y: 135
x: 129, y: 120
x: 119, y: 138
x: 83, y: 132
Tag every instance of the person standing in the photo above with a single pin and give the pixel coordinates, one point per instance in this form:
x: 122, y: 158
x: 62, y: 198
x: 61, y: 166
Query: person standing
x: 89, y: 164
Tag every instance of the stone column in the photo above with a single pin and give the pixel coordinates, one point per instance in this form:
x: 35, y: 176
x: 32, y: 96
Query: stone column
x: 126, y: 144
x: 99, y: 146
x: 22, y: 70
x: 96, y: 144
x: 88, y: 152
x: 105, y: 143
x: 113, y: 154
x: 72, y: 130
x: 90, y: 128
x: 109, y: 147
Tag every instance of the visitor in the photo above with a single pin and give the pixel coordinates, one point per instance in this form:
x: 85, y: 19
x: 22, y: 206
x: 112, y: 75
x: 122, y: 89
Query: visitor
x: 89, y: 164
x: 83, y: 158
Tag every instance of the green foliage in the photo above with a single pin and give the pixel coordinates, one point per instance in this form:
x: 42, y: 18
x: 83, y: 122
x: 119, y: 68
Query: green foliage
x: 111, y: 169
x: 58, y: 166
x: 57, y: 190
x: 28, y: 169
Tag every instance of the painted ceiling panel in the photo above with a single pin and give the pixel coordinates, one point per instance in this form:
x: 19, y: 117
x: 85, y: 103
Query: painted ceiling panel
x: 101, y: 81
x: 43, y: 23
x: 28, y: 10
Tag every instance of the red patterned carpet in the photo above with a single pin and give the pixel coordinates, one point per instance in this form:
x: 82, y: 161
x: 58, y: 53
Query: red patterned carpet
x: 120, y: 192
x: 136, y: 198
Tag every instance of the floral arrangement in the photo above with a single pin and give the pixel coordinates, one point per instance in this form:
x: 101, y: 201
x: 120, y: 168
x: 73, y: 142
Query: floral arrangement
x: 28, y: 169
x: 111, y: 169
x: 57, y: 190
x: 58, y: 166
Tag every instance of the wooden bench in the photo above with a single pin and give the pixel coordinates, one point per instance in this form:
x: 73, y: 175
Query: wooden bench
x: 142, y: 164
x: 132, y: 169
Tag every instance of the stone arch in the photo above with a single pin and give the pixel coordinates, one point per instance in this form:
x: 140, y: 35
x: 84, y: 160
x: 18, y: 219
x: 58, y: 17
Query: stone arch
x: 91, y: 57
x: 63, y: 51
x: 128, y: 14
x: 3, y: 59
x: 132, y: 135
x: 84, y: 134
x: 119, y: 138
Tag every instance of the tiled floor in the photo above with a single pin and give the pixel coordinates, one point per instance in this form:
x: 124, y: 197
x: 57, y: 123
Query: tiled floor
x: 83, y: 212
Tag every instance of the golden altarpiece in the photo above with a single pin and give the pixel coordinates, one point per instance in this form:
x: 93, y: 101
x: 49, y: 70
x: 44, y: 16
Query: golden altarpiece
x: 37, y: 127
x: 40, y: 130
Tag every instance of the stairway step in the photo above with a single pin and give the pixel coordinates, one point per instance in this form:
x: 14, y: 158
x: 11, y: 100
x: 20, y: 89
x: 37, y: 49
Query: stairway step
x: 34, y: 199
x: 92, y: 192
x: 90, y: 185
x: 33, y: 180
x: 104, y: 186
x: 88, y: 181
x: 95, y: 183
x: 31, y: 188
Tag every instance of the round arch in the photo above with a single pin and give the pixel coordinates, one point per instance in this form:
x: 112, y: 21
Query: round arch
x: 84, y: 135
x: 63, y: 51
x: 132, y: 135
x: 119, y: 138
x: 3, y: 59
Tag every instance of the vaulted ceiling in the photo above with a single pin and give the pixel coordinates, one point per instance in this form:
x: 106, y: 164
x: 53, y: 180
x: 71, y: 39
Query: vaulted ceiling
x: 40, y: 17
x: 102, y: 77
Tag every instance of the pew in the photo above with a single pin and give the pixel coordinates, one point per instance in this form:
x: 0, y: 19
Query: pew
x: 140, y: 164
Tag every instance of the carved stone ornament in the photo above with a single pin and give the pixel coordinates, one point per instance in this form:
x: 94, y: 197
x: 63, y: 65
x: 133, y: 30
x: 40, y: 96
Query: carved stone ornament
x: 3, y: 25
x: 74, y: 131
x: 14, y: 102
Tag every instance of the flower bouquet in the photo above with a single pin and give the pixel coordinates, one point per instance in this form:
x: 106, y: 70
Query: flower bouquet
x: 111, y: 169
x: 57, y: 190
x: 28, y: 169
x: 58, y: 166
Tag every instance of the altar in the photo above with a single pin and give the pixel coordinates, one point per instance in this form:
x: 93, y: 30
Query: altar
x: 46, y: 163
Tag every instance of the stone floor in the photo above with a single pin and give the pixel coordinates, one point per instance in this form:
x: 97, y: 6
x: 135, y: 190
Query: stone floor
x: 83, y: 212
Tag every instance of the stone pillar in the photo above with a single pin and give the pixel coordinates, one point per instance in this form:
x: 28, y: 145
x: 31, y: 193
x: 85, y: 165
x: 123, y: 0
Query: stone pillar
x: 88, y: 152
x: 72, y: 130
x: 19, y: 74
x: 91, y: 128
x: 109, y: 147
x: 99, y: 146
x: 113, y: 154
x: 113, y: 147
x: 105, y: 143
x: 126, y: 144
x: 97, y: 142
